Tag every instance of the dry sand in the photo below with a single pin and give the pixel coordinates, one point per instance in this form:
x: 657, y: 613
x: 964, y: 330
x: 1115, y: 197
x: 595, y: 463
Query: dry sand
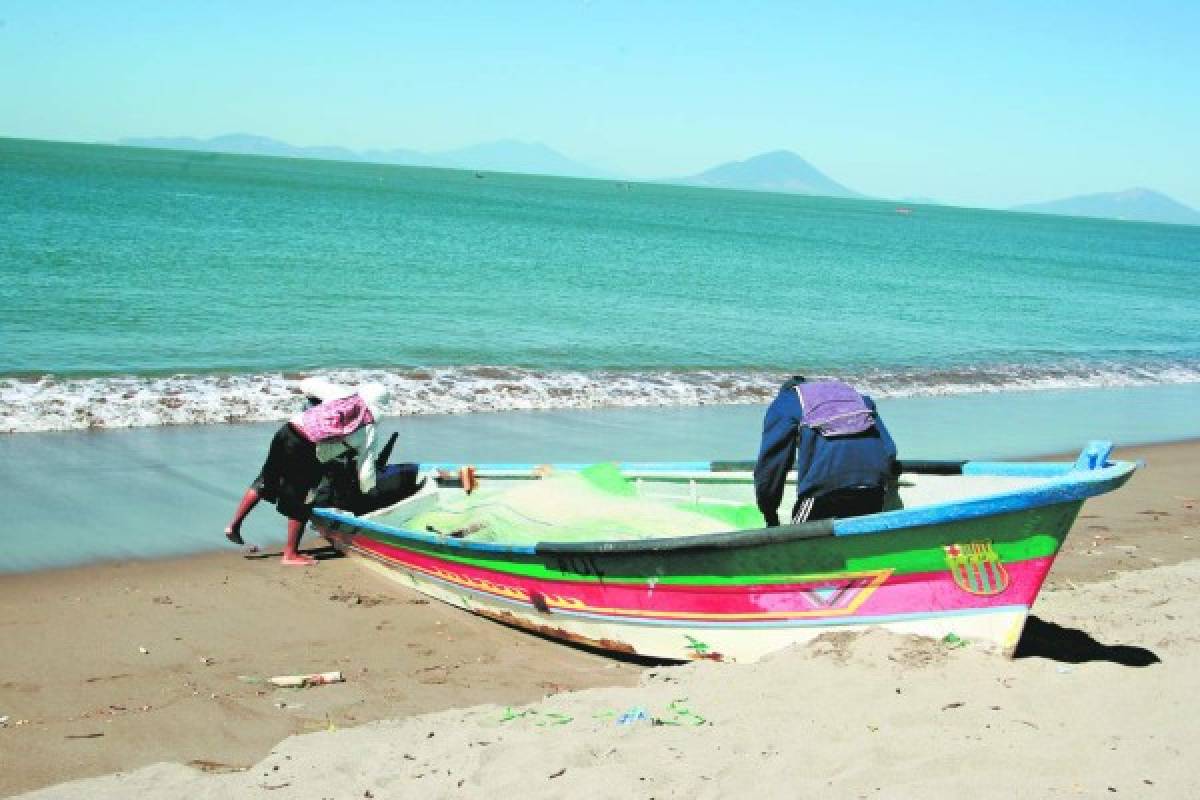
x: 1100, y: 700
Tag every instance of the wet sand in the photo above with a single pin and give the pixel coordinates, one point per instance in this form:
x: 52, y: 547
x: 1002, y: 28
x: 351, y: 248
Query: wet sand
x: 211, y: 624
x: 1100, y: 695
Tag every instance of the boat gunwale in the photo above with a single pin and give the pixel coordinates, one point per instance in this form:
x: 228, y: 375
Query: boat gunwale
x: 1066, y: 483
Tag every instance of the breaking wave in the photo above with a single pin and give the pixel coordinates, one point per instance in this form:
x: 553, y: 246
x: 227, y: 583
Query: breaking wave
x: 50, y: 403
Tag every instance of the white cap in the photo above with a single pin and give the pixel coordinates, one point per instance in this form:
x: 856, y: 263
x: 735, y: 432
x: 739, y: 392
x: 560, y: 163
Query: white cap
x: 323, y: 390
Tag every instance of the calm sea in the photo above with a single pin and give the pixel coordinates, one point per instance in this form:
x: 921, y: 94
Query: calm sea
x: 148, y: 287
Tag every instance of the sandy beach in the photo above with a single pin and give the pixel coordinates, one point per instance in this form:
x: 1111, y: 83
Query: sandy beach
x: 597, y: 260
x: 155, y: 670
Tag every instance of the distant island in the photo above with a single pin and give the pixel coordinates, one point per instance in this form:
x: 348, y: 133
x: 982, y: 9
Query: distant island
x: 778, y: 171
x: 505, y: 155
x: 1143, y: 205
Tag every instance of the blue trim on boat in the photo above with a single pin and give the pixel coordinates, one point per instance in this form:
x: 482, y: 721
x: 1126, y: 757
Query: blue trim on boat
x: 1072, y: 486
x: 1033, y: 469
x: 1091, y: 475
x: 334, y: 515
x: 1010, y: 469
x: 1093, y: 456
x: 636, y: 466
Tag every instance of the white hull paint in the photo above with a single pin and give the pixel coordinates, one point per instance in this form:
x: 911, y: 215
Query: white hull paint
x: 995, y: 629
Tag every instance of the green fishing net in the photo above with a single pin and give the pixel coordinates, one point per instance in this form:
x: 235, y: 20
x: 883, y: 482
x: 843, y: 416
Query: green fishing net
x: 594, y: 504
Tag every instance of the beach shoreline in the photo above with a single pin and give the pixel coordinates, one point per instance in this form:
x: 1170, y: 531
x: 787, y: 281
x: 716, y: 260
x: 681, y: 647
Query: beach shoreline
x: 213, y: 626
x: 165, y: 489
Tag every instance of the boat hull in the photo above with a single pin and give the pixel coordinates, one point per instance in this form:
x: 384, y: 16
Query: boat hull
x: 973, y: 578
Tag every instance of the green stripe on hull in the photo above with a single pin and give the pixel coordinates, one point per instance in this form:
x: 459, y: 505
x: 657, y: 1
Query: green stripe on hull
x: 1022, y: 535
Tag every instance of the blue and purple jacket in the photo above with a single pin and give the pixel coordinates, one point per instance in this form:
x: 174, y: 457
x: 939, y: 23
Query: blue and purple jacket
x: 823, y: 464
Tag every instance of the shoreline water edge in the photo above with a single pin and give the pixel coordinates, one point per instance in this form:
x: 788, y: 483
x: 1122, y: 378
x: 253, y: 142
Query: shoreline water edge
x: 162, y: 491
x: 53, y: 403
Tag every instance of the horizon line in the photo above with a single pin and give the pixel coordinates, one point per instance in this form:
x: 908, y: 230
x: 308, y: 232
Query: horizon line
x: 676, y: 182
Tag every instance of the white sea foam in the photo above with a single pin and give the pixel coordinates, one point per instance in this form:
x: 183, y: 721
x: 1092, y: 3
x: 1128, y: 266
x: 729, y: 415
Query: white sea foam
x: 52, y: 403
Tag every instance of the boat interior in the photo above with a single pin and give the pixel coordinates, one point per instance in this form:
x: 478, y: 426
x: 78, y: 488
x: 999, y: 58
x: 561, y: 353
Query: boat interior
x: 503, y: 505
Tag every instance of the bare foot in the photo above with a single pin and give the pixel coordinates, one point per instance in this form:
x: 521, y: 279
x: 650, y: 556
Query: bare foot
x: 297, y: 561
x: 236, y: 538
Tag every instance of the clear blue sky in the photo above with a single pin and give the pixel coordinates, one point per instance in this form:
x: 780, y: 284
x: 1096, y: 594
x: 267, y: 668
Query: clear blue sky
x: 977, y: 103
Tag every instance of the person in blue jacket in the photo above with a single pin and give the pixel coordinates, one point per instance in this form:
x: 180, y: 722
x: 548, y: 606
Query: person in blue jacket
x: 843, y: 454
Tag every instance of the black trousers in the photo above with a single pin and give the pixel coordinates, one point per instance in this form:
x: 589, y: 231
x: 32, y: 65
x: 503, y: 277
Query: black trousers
x: 290, y: 472
x: 841, y: 503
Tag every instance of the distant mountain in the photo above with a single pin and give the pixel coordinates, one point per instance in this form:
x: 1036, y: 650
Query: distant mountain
x: 398, y: 155
x: 508, y: 155
x: 779, y: 171
x: 501, y: 156
x: 244, y: 144
x: 1143, y: 205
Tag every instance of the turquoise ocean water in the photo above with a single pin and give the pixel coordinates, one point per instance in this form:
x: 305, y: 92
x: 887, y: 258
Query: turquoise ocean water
x: 142, y: 287
x: 158, y: 290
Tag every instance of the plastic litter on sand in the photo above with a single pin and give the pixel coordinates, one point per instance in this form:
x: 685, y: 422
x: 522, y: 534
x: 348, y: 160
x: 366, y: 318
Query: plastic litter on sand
x: 301, y: 681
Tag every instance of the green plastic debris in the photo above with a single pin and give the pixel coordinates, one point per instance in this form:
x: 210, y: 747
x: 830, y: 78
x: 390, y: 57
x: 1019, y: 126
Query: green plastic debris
x: 554, y: 718
x: 547, y: 717
x: 680, y: 715
x: 510, y: 715
x: 954, y: 640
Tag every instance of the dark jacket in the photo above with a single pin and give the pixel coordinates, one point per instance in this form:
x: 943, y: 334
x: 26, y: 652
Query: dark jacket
x: 822, y: 464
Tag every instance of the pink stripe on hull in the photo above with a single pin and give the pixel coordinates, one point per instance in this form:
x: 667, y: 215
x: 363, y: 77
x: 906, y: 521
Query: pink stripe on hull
x: 937, y: 591
x: 868, y: 593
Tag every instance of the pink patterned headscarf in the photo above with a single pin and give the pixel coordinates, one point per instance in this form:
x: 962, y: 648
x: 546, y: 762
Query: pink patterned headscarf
x: 334, y: 419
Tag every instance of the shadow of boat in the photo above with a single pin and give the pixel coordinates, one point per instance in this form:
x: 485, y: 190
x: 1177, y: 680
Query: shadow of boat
x: 1049, y: 640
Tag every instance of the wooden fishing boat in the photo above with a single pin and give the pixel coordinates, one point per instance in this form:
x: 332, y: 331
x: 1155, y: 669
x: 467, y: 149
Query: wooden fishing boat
x: 962, y: 550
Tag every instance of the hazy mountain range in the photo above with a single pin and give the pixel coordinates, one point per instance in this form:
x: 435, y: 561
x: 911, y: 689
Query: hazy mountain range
x: 777, y: 171
x: 1144, y: 205
x: 506, y: 155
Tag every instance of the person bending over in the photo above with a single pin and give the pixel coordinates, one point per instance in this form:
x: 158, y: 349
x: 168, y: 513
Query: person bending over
x: 339, y: 422
x: 843, y: 453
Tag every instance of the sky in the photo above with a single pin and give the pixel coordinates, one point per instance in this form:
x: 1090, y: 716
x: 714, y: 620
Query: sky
x: 980, y: 103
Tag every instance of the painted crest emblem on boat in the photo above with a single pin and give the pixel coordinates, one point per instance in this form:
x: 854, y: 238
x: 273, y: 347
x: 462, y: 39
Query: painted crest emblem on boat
x: 976, y: 568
